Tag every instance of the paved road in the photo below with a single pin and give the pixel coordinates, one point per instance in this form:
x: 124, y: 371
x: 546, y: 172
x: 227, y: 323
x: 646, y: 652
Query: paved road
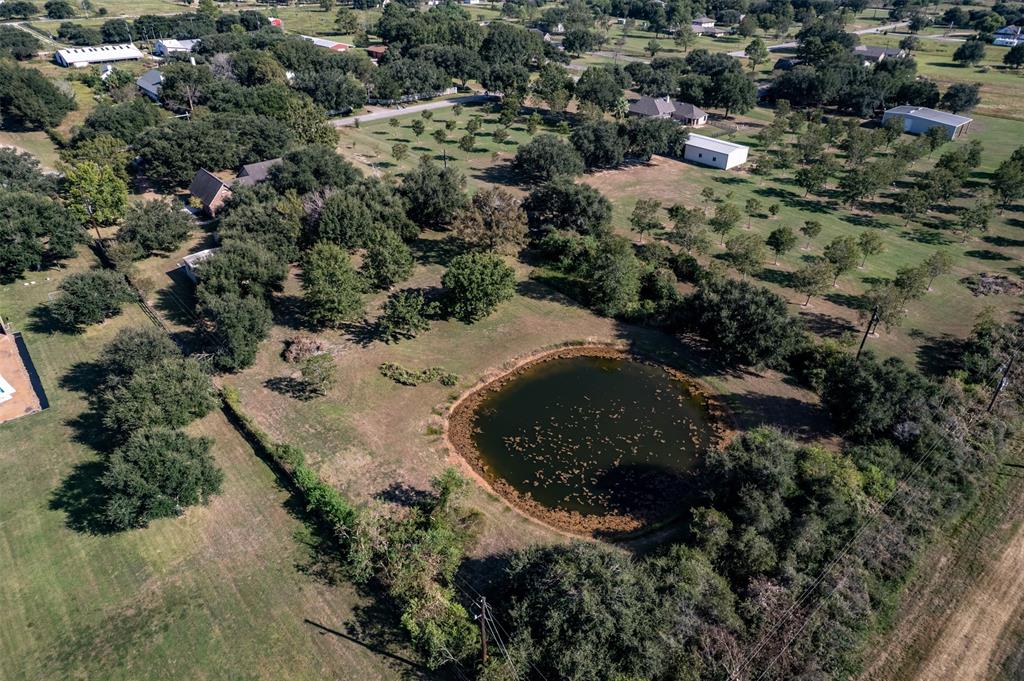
x: 414, y: 108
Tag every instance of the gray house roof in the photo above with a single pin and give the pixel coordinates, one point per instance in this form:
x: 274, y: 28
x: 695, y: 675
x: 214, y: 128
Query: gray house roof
x: 254, y: 173
x: 924, y: 113
x: 687, y: 110
x: 206, y: 186
x: 150, y: 82
x: 878, y: 52
x: 651, y: 106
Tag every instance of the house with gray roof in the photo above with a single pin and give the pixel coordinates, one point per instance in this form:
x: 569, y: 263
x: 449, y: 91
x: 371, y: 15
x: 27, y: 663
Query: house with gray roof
x: 872, y: 54
x: 252, y: 174
x: 917, y: 120
x: 210, y: 190
x: 666, y: 107
x: 150, y: 83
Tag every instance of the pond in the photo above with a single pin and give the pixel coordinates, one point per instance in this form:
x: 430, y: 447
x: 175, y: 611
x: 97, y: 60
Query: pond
x: 590, y: 443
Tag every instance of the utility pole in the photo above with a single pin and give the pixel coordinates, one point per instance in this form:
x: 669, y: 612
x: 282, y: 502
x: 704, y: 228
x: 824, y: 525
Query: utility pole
x: 483, y: 629
x: 1002, y: 383
x: 867, y: 331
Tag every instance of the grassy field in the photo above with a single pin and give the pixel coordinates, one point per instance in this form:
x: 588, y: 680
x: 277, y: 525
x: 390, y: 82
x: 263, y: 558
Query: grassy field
x: 370, y: 145
x: 226, y: 582
x: 929, y: 324
x: 1000, y: 87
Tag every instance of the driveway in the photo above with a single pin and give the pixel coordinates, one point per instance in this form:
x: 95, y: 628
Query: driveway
x: 414, y: 108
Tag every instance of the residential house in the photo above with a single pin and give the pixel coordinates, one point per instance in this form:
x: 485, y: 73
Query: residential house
x: 210, y: 190
x: 150, y: 83
x: 167, y: 46
x: 917, y: 120
x: 254, y: 173
x: 713, y: 152
x: 701, y: 24
x: 873, y: 54
x: 666, y: 107
x: 786, y: 64
x: 80, y: 57
x: 546, y: 37
x: 1008, y: 36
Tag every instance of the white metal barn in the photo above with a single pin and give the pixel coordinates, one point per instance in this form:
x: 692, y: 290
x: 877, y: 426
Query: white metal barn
x: 80, y: 57
x: 168, y: 46
x: 709, y: 151
x: 917, y: 120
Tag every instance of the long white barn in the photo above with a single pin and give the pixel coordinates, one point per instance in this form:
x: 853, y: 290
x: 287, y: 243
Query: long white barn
x: 79, y: 57
x: 713, y: 152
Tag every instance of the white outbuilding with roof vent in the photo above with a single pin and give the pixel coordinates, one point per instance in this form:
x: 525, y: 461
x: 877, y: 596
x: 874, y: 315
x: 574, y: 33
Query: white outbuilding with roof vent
x: 712, y: 152
x: 79, y: 57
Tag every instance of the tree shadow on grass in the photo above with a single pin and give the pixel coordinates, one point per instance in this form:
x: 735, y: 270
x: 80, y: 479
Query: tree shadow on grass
x: 777, y: 277
x: 824, y: 324
x: 42, y: 321
x: 849, y: 300
x: 437, y: 251
x: 926, y: 235
x: 938, y: 354
x: 378, y: 620
x: 984, y: 254
x: 499, y: 173
x: 862, y: 220
x: 289, y: 386
x: 404, y: 495
x: 289, y: 312
x: 177, y: 302
x: 82, y: 497
x: 1002, y: 241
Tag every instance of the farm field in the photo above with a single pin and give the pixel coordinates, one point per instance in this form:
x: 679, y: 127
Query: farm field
x: 173, y: 601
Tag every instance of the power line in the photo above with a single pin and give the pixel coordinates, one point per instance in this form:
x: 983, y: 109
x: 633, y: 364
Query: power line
x: 964, y: 426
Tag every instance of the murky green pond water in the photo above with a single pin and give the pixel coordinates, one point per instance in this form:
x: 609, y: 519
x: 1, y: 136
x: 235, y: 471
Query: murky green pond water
x: 593, y: 435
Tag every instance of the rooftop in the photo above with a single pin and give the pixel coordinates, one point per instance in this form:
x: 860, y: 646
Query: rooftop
x: 929, y: 114
x: 712, y: 144
x: 254, y: 173
x: 205, y: 186
x: 652, y: 106
x: 877, y: 51
x: 100, y: 53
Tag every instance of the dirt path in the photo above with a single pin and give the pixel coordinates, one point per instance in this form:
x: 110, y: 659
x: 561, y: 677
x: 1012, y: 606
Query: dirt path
x: 966, y: 649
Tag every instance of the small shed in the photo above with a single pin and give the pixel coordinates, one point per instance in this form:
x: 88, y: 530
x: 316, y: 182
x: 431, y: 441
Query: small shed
x: 917, y: 120
x: 80, y: 57
x: 254, y: 173
x: 376, y: 51
x: 191, y: 262
x: 713, y: 152
x: 211, y: 191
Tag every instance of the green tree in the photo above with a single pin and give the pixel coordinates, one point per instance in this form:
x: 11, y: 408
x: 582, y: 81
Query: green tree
x: 157, y: 473
x: 399, y: 151
x: 756, y: 52
x: 615, y: 283
x: 96, y: 195
x: 870, y: 243
x: 684, y: 38
x: 34, y: 230
x: 169, y: 394
x: 914, y: 203
x: 494, y: 220
x: 961, y: 97
x: 599, y: 86
x: 235, y: 328
x: 937, y: 264
x: 566, y: 205
x: 434, y: 195
x: 318, y: 374
x: 545, y: 158
x: 969, y: 53
x: 346, y: 22
x: 814, y: 278
x: 781, y: 240
x: 974, y: 219
x: 476, y: 283
x: 752, y: 208
x: 1015, y: 57
x: 810, y: 229
x: 331, y: 286
x: 89, y: 298
x: 644, y: 218
x: 404, y: 315
x: 726, y: 217
x: 387, y: 261
x: 746, y: 253
x: 652, y: 48
x: 29, y: 99
x: 844, y: 254
x: 418, y: 127
x: 467, y: 142
x: 154, y: 226
x: 912, y: 281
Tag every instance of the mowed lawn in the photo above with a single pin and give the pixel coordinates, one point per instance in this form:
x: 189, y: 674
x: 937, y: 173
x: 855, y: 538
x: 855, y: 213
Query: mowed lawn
x: 949, y: 311
x: 219, y: 593
x: 371, y: 146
